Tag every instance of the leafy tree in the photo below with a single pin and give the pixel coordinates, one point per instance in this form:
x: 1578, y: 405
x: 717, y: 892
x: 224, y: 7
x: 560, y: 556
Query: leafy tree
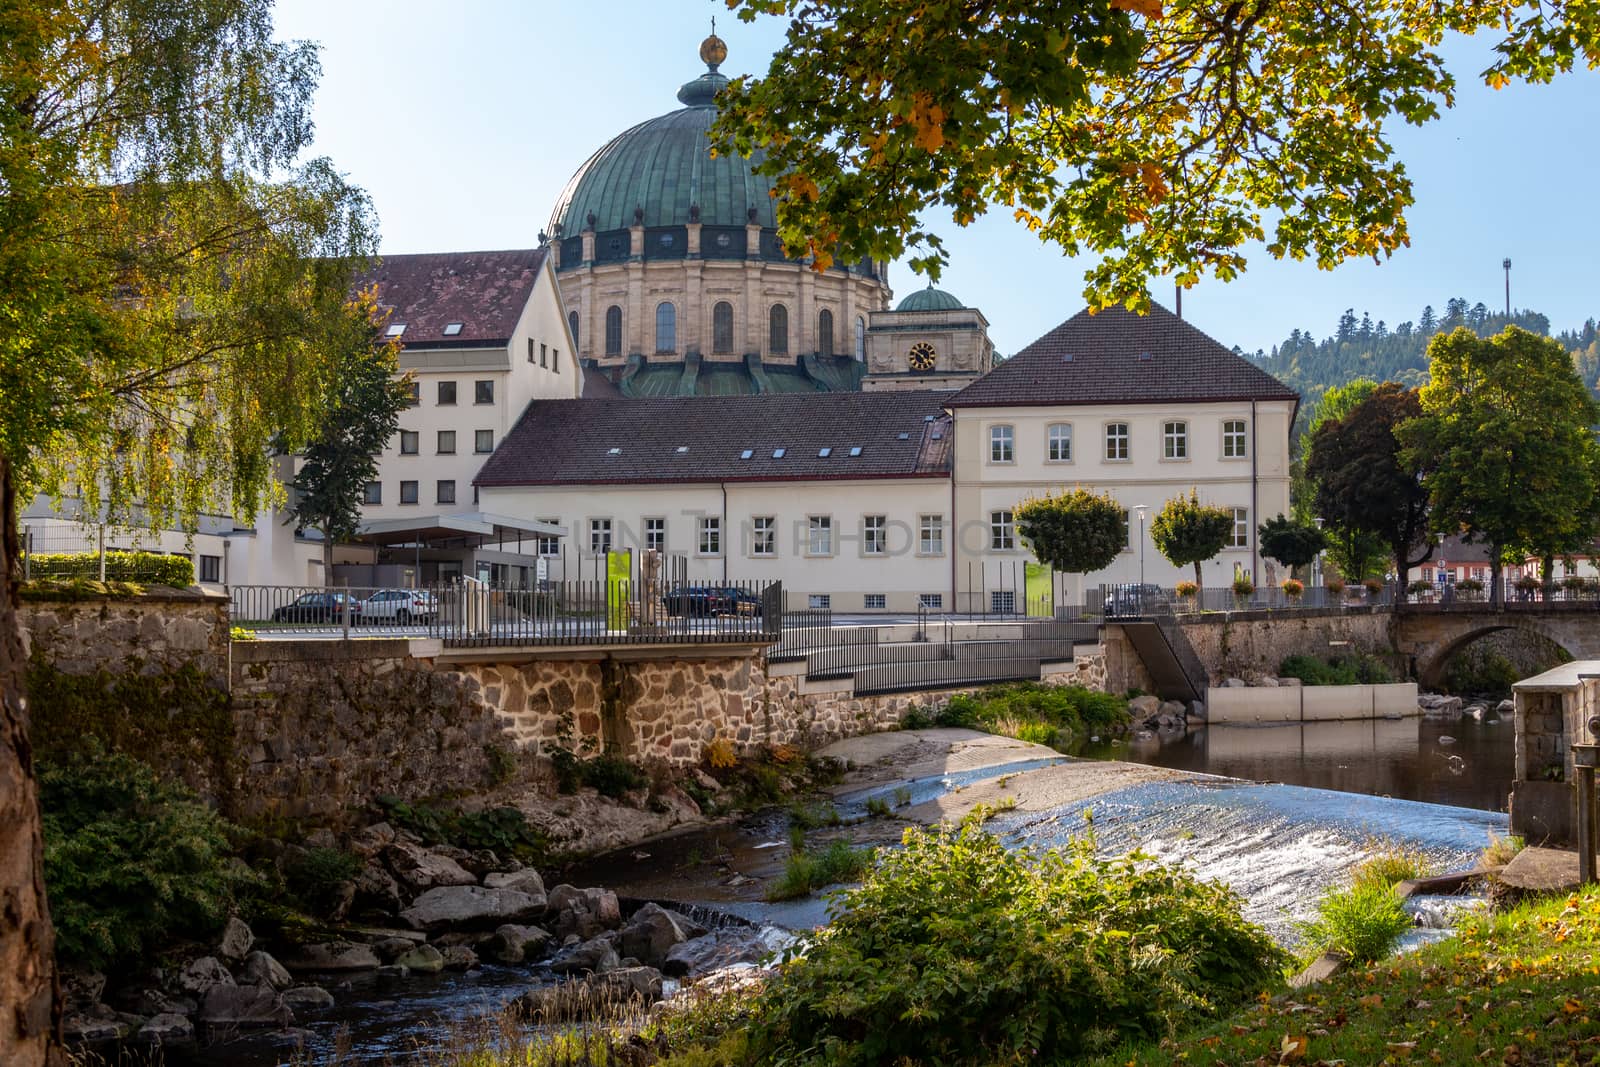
x: 364, y: 414
x: 1187, y: 531
x: 1506, y: 427
x: 166, y: 270
x: 1361, y: 482
x: 1293, y: 544
x: 1355, y: 553
x: 1077, y: 532
x: 1157, y: 136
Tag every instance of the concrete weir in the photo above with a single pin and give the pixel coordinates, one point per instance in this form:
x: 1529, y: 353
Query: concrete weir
x: 1322, y: 703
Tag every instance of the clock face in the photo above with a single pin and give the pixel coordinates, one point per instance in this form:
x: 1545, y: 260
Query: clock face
x: 922, y: 356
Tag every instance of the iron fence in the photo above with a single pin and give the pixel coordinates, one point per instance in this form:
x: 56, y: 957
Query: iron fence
x: 342, y: 611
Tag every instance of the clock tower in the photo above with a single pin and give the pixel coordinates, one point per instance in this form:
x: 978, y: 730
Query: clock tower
x: 929, y: 341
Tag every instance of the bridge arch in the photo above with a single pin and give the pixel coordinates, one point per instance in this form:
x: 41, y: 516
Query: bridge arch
x: 1437, y: 642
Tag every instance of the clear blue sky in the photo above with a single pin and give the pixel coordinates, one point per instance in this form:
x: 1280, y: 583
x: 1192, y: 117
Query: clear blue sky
x: 464, y: 120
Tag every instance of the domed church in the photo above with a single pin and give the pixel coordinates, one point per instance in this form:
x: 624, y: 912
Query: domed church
x: 675, y: 283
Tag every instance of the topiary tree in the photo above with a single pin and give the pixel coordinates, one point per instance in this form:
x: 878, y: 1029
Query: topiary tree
x: 1293, y: 544
x: 1187, y: 531
x: 1076, y: 532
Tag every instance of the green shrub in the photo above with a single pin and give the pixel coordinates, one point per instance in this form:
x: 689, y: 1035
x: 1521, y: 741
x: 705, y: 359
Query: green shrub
x: 505, y: 831
x: 1359, y: 669
x: 812, y: 816
x: 1481, y: 669
x: 878, y: 808
x: 1363, y: 921
x: 957, y: 950
x: 805, y: 872
x: 1391, y: 866
x: 146, y: 568
x: 131, y: 861
x: 916, y: 717
x: 608, y: 774
x: 1038, y: 733
x: 315, y: 877
x: 960, y: 711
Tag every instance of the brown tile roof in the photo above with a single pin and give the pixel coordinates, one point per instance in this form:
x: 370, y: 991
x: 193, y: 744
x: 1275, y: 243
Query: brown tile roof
x: 571, y: 442
x: 1118, y: 357
x: 596, y: 386
x: 484, y: 291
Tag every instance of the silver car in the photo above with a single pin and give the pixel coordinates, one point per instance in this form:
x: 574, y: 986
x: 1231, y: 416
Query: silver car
x: 399, y: 606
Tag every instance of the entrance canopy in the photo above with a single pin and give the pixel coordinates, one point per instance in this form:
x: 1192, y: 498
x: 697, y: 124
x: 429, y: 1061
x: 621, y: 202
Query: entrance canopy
x: 465, y: 530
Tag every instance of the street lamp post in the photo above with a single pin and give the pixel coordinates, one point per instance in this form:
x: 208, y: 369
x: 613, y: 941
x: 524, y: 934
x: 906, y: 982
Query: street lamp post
x: 1316, y: 564
x: 1141, y: 508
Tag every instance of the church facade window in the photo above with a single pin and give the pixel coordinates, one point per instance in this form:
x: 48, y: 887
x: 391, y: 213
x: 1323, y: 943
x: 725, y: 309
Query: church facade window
x: 572, y: 324
x: 778, y: 330
x: 666, y: 327
x: 613, y: 330
x: 861, y: 339
x: 825, y: 332
x: 722, y: 327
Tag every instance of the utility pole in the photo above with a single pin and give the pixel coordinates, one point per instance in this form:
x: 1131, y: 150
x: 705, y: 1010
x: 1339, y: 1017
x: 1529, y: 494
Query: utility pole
x: 1507, y: 265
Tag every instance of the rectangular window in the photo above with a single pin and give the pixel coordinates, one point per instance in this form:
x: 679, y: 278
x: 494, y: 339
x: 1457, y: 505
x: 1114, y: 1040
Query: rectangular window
x: 1116, y: 440
x: 416, y: 393
x: 874, y: 535
x: 710, y: 540
x: 655, y: 535
x: 1003, y: 601
x: 1233, y: 446
x: 483, y: 391
x: 875, y: 601
x: 211, y: 568
x: 1241, y: 529
x: 819, y: 601
x: 447, y: 443
x: 1060, y: 443
x: 930, y: 535
x: 530, y: 350
x: 544, y: 355
x: 1001, y: 442
x: 373, y: 493
x: 483, y: 441
x: 1002, y: 531
x: 763, y: 535
x: 934, y: 601
x: 410, y: 440
x: 547, y: 545
x: 447, y: 392
x: 408, y: 492
x: 555, y: 360
x: 1175, y: 440
x: 819, y: 535
x: 445, y: 491
x: 599, y: 535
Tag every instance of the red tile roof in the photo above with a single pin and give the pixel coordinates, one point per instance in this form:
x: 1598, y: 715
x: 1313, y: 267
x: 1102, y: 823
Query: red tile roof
x: 1118, y: 357
x: 483, y: 291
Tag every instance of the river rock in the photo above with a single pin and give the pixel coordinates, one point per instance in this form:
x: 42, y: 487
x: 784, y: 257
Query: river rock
x: 1505, y: 708
x: 332, y: 956
x: 419, y: 868
x: 592, y: 997
x: 1475, y: 712
x: 721, y: 949
x: 458, y: 958
x: 1439, y: 706
x: 390, y: 949
x: 1446, y: 739
x: 652, y: 932
x: 372, y: 840
x: 1142, y: 707
x: 80, y: 988
x: 469, y: 905
x: 145, y: 1001
x: 168, y: 1028
x: 584, y: 912
x: 394, y: 972
x: 261, y: 969
x: 1233, y: 683
x: 245, y: 1005
x: 1290, y: 683
x: 88, y: 1029
x: 374, y: 889
x: 422, y: 959
x: 202, y: 974
x: 526, y: 880
x: 595, y: 956
x: 513, y: 943
x: 308, y: 998
x: 234, y: 945
x: 706, y: 782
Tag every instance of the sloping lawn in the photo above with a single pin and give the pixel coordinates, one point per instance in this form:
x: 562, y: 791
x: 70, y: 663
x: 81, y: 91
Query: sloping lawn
x: 1520, y: 988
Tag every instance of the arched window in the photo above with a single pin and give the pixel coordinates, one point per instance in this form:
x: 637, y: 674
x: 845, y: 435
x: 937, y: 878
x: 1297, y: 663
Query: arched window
x: 861, y: 338
x: 613, y: 330
x: 825, y: 332
x: 666, y: 327
x: 722, y: 327
x: 572, y: 324
x: 778, y: 330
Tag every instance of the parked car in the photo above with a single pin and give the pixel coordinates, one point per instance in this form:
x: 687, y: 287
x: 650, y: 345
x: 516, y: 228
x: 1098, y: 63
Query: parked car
x: 319, y: 607
x: 1135, y: 598
x: 706, y: 601
x: 399, y: 606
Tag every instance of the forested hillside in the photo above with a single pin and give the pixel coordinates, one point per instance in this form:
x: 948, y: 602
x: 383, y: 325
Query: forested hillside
x: 1362, y: 348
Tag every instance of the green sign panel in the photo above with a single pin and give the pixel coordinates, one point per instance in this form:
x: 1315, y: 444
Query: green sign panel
x: 619, y: 581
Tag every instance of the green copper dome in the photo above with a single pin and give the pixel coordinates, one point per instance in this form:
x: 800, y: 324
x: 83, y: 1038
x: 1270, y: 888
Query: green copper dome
x: 664, y: 168
x: 930, y: 299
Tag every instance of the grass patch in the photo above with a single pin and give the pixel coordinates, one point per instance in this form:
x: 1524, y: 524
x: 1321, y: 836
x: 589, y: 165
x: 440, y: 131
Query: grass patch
x: 1519, y: 987
x: 1363, y: 921
x: 1357, y: 669
x: 1391, y: 866
x: 808, y: 871
x: 1502, y: 850
x: 1054, y: 715
x: 813, y: 816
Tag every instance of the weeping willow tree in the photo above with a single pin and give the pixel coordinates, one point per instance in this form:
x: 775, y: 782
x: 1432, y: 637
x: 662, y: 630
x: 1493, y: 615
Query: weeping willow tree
x: 169, y: 273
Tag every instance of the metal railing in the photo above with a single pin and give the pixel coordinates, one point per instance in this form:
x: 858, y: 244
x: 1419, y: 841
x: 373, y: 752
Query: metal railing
x: 342, y: 611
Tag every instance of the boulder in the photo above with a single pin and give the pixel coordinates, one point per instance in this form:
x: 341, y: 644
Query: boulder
x: 332, y: 956
x: 1174, y: 708
x: 390, y: 949
x: 261, y: 969
x: 322, y: 837
x: 526, y: 880
x: 722, y: 949
x: 470, y: 905
x: 394, y: 971
x: 584, y: 912
x: 1142, y: 707
x: 79, y: 988
x: 234, y: 945
x: 145, y: 1001
x: 245, y: 1005
x: 1233, y: 683
x: 1290, y: 683
x: 595, y: 956
x: 592, y: 997
x: 88, y: 1029
x: 512, y: 943
x: 376, y: 890
x: 1267, y: 681
x: 458, y: 958
x: 202, y: 974
x: 422, y: 959
x: 167, y: 1028
x: 372, y: 840
x: 1439, y: 706
x: 308, y: 998
x: 706, y: 782
x: 420, y: 868
x: 1505, y: 708
x: 652, y: 932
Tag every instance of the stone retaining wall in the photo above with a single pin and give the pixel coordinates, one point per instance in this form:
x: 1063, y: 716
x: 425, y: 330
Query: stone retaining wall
x: 149, y: 634
x: 1256, y: 642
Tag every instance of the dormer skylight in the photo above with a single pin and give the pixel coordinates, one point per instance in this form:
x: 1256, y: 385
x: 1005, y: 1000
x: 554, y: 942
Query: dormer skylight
x: 855, y: 452
x: 452, y: 328
x: 683, y: 450
x: 395, y: 329
x: 777, y: 453
x: 824, y: 453
x: 613, y: 451
x: 747, y: 453
x: 905, y: 437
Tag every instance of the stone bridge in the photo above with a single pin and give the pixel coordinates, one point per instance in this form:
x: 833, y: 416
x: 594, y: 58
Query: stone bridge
x: 1430, y: 634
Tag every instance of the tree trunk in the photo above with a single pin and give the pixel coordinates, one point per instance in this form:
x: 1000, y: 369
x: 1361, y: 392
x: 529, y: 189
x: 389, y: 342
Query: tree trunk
x: 1198, y: 598
x: 30, y: 1009
x: 1497, y: 591
x: 1547, y: 576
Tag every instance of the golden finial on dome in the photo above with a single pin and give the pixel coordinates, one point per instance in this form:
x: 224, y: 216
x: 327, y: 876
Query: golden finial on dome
x: 713, y: 50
